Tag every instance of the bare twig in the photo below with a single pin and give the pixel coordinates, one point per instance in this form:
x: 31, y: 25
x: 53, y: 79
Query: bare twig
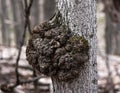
x: 18, y: 57
x: 27, y: 10
x: 27, y: 14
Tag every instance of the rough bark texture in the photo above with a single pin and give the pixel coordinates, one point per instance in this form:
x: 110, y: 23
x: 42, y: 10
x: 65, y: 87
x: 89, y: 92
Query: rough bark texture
x: 112, y: 33
x: 80, y: 16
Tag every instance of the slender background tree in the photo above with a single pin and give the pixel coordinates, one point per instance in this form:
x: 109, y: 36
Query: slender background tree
x: 4, y: 26
x: 18, y: 15
x: 112, y: 33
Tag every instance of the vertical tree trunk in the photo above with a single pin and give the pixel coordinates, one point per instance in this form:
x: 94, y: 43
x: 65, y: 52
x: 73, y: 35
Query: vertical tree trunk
x: 4, y: 25
x: 35, y: 13
x: 80, y: 15
x: 47, y: 9
x: 112, y: 32
x: 112, y: 36
x: 18, y: 20
x: 41, y: 2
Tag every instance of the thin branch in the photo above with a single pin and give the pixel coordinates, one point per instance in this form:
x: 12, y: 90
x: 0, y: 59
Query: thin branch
x: 27, y: 14
x: 30, y: 4
x: 27, y: 9
x: 19, y: 54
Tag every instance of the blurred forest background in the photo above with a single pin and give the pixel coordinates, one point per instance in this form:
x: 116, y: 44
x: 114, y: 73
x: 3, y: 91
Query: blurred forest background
x: 18, y: 17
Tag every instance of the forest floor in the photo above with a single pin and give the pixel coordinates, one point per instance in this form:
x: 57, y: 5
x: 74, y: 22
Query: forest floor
x: 7, y: 71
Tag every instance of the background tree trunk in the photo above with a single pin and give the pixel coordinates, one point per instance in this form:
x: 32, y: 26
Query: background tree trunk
x: 81, y: 19
x: 18, y: 17
x: 35, y: 13
x: 112, y: 37
x: 4, y: 26
x: 112, y: 32
x: 49, y: 9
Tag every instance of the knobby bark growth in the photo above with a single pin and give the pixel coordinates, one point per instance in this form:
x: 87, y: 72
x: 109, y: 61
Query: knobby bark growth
x: 65, y: 47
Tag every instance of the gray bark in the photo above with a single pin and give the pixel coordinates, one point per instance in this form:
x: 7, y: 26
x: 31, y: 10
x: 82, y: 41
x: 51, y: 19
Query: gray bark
x: 4, y: 25
x: 80, y: 16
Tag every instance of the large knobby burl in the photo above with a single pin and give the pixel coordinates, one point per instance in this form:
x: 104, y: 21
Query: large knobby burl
x: 56, y: 51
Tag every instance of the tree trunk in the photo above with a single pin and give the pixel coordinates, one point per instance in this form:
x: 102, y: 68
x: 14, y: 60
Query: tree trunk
x: 112, y: 37
x: 81, y: 19
x: 35, y: 13
x: 112, y: 32
x: 47, y: 9
x: 4, y: 25
x: 18, y: 20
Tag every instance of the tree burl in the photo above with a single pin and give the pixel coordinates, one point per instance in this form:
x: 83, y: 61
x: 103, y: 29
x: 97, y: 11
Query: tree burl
x: 56, y: 51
